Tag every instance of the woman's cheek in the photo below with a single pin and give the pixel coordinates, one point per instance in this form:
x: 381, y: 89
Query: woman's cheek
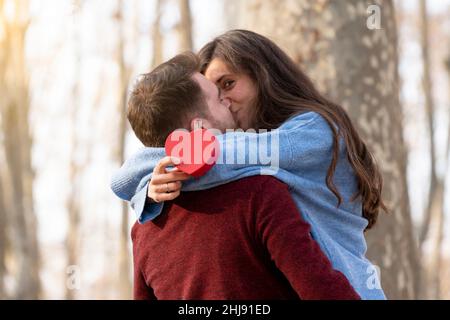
x: 235, y: 94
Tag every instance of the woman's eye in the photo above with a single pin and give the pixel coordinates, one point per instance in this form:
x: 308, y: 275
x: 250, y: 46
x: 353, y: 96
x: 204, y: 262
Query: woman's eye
x: 227, y: 84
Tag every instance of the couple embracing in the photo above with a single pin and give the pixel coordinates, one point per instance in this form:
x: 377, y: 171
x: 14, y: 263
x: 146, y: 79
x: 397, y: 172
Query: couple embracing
x: 245, y: 230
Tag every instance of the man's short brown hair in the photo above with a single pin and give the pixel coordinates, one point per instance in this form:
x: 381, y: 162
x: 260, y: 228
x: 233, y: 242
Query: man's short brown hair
x: 164, y: 99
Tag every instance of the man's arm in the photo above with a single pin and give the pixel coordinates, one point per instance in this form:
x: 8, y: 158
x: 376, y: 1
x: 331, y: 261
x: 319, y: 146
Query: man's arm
x: 285, y: 234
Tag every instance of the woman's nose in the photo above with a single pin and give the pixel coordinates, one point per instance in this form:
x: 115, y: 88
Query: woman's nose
x: 226, y: 102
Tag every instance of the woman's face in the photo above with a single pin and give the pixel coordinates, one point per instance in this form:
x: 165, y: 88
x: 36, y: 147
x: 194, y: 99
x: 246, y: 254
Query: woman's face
x: 238, y: 88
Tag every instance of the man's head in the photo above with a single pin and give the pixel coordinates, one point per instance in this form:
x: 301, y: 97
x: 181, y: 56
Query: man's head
x: 173, y: 96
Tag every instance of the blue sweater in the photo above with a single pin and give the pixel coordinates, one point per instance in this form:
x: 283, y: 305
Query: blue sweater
x: 300, y: 152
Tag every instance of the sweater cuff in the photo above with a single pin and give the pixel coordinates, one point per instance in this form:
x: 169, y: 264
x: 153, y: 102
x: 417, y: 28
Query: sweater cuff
x: 145, y: 212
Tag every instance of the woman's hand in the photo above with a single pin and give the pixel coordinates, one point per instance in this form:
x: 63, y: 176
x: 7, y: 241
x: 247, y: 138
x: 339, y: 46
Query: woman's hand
x: 165, y: 184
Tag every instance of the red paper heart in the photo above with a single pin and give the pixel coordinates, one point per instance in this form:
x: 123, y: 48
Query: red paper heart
x: 198, y: 150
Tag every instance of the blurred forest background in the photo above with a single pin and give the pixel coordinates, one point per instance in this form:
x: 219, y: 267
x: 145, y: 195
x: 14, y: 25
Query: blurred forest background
x: 66, y: 67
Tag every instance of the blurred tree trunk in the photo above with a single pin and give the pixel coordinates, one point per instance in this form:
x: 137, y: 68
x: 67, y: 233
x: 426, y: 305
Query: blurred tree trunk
x: 6, y: 204
x: 434, y: 214
x: 357, y: 67
x: 184, y: 27
x: 2, y: 240
x: 73, y: 205
x: 14, y: 110
x: 429, y: 106
x: 438, y: 262
x: 434, y: 270
x: 232, y: 14
x: 124, y: 76
x: 157, y: 39
x: 73, y: 209
x: 447, y: 66
x: 3, y: 209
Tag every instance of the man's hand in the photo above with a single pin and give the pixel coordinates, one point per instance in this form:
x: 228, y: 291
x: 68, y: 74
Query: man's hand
x: 165, y: 184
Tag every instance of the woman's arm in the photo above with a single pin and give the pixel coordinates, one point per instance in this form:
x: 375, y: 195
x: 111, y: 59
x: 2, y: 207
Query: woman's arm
x: 135, y: 173
x: 292, y: 147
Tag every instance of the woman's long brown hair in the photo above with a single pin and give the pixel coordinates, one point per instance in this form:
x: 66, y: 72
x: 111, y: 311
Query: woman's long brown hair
x: 283, y: 91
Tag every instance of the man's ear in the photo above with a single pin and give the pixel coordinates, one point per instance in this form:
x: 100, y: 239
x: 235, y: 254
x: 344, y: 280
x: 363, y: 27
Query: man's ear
x: 199, y: 123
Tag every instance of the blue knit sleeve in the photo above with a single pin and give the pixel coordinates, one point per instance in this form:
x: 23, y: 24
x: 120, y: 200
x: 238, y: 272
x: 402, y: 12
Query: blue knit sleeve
x: 243, y: 154
x: 292, y: 148
x: 130, y: 182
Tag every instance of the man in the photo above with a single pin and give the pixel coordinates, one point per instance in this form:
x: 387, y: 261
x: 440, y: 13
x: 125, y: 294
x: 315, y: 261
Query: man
x: 236, y: 241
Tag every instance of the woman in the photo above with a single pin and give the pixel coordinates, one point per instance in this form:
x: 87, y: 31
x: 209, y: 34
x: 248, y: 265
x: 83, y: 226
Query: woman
x: 332, y: 176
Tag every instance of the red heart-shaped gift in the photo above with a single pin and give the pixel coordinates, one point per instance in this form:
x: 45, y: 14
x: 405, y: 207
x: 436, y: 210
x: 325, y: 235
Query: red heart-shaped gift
x: 198, y: 150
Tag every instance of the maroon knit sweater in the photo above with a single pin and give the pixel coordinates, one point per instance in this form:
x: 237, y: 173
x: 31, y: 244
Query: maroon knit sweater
x: 243, y: 240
